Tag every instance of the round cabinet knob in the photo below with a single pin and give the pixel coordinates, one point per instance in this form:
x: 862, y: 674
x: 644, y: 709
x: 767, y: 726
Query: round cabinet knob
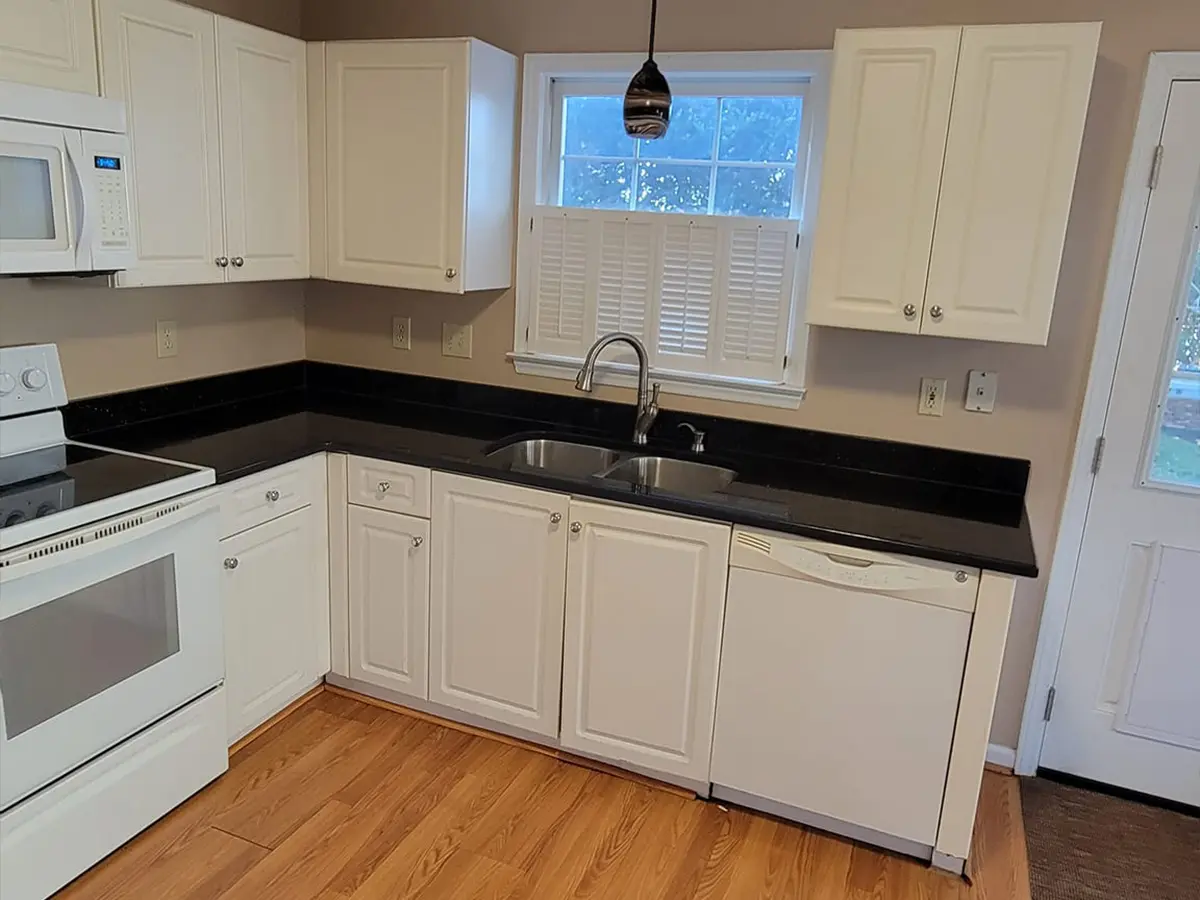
x: 960, y: 576
x: 272, y: 496
x: 231, y: 562
x: 8, y: 384
x: 238, y: 262
x: 222, y: 261
x: 417, y: 542
x: 451, y: 274
x: 576, y: 527
x: 34, y: 378
x: 384, y: 487
x: 555, y: 518
x: 910, y: 311
x: 935, y: 313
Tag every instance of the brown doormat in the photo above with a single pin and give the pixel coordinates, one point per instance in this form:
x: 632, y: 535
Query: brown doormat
x: 1089, y: 846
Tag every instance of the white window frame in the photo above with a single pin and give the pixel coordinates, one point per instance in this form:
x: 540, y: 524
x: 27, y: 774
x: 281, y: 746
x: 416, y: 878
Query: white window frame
x: 549, y: 77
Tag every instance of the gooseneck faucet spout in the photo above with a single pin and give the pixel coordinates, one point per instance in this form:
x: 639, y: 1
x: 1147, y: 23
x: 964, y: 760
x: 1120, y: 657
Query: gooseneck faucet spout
x: 647, y: 400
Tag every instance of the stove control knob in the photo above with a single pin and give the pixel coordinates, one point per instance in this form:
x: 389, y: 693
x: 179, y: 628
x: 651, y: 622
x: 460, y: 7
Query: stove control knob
x: 8, y: 384
x: 34, y: 378
x: 44, y: 510
x: 14, y: 518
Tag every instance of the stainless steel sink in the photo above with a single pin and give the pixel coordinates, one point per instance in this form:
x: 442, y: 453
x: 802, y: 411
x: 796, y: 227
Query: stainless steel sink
x: 674, y: 475
x: 560, y: 457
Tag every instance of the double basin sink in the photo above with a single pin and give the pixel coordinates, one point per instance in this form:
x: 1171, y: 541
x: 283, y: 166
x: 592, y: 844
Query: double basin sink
x: 569, y: 459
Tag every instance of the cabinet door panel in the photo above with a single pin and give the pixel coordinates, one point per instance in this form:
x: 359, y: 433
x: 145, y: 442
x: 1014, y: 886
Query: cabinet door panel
x: 264, y: 151
x: 396, y: 145
x: 645, y: 603
x: 389, y: 600
x: 1019, y: 108
x: 496, y: 604
x: 271, y: 598
x: 160, y: 58
x: 889, y: 112
x: 51, y: 43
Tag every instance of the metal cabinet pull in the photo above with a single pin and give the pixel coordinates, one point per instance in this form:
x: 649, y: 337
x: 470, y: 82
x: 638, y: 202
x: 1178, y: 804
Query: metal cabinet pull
x: 451, y: 274
x: 935, y: 313
x: 222, y: 261
x: 555, y: 518
x: 238, y: 262
x: 231, y: 562
x: 272, y: 496
x: 417, y: 541
x: 384, y: 487
x: 910, y: 311
x: 576, y: 527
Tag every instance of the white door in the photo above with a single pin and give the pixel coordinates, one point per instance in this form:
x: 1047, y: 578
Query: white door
x: 499, y: 556
x: 889, y: 112
x: 264, y: 151
x: 271, y: 631
x: 1127, y: 703
x: 51, y: 43
x: 645, y: 605
x: 389, y: 600
x: 397, y: 131
x: 161, y: 59
x: 1020, y: 101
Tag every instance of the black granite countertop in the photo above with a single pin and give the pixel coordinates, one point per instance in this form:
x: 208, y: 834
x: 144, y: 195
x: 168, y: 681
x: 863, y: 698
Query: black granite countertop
x: 868, y: 494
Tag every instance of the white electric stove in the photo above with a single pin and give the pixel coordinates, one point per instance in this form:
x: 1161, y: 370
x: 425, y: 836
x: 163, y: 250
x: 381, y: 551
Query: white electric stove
x: 111, y: 649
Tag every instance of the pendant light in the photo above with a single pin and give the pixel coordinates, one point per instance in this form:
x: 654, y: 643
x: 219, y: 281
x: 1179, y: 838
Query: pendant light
x: 648, y: 99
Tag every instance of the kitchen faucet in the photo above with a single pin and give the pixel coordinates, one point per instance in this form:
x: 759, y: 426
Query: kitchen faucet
x: 647, y: 403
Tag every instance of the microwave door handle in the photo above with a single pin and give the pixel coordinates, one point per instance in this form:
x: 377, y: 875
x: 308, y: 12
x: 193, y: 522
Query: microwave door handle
x: 83, y: 232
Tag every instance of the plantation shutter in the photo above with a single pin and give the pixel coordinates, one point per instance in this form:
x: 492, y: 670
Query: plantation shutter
x: 706, y: 294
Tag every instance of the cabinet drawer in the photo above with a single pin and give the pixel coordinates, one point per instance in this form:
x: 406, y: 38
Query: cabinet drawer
x: 260, y: 498
x: 388, y: 485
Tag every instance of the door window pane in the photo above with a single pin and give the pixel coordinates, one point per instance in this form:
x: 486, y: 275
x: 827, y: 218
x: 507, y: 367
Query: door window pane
x: 59, y: 654
x: 1177, y: 451
x: 26, y: 199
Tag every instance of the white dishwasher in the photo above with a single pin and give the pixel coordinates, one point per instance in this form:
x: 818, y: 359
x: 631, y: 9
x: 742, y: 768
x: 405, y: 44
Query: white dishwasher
x: 840, y: 677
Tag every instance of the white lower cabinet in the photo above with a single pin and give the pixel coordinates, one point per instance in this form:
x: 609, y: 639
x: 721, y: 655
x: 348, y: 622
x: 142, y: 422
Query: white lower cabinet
x: 495, y: 632
x: 644, y: 608
x: 389, y: 600
x: 275, y: 594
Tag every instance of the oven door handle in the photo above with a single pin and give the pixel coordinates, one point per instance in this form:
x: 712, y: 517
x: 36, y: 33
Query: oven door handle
x: 65, y: 549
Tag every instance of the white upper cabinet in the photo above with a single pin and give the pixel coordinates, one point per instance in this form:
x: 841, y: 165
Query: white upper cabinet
x: 949, y: 171
x: 160, y: 59
x: 264, y: 151
x: 389, y: 600
x: 419, y: 158
x: 219, y: 131
x: 642, y: 641
x: 888, y: 117
x: 51, y: 43
x: 496, y: 601
x: 1020, y: 102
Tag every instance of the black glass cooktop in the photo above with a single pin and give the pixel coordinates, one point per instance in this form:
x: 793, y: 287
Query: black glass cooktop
x: 42, y: 482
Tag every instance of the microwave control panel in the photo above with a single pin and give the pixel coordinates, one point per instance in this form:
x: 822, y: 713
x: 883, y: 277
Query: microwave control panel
x: 113, y: 200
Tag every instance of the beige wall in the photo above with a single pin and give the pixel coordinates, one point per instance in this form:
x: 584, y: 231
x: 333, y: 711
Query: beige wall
x: 106, y: 337
x: 858, y: 382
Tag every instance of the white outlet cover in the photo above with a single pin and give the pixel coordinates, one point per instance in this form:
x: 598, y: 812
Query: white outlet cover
x: 401, y: 332
x: 981, y: 391
x: 456, y: 340
x: 932, y: 399
x: 167, y: 335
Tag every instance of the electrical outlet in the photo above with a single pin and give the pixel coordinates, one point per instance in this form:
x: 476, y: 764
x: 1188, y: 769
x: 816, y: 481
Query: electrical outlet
x: 933, y: 397
x: 402, y: 332
x: 456, y: 340
x: 168, y: 338
x: 981, y: 391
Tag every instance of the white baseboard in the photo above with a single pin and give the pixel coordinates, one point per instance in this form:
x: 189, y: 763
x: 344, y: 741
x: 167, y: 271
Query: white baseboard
x: 1005, y: 757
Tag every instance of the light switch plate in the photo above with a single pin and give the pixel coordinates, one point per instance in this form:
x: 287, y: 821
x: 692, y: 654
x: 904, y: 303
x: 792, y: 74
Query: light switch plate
x: 168, y: 338
x: 981, y: 391
x: 932, y: 401
x: 456, y: 340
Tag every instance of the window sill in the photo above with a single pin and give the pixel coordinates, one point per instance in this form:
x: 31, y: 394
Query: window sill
x: 780, y: 396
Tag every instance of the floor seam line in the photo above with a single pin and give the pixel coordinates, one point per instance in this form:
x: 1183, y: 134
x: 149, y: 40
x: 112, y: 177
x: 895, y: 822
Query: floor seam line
x: 240, y: 838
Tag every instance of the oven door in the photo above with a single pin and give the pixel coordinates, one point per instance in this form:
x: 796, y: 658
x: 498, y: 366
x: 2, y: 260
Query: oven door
x: 40, y: 220
x: 104, y: 631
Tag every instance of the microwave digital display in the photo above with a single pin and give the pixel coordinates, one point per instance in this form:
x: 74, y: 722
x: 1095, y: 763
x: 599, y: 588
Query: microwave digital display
x: 108, y: 162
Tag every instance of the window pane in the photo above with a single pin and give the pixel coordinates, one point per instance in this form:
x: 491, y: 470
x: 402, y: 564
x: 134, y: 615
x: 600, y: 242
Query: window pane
x: 754, y: 191
x: 597, y: 184
x: 691, y: 132
x: 673, y: 188
x: 760, y: 129
x: 593, y: 127
x: 1177, y: 456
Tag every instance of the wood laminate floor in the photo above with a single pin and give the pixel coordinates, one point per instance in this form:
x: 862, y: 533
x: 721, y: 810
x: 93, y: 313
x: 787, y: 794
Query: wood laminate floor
x: 346, y: 801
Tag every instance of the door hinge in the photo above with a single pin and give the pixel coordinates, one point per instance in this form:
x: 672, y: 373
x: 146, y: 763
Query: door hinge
x: 1156, y: 166
x: 1098, y: 455
x: 1049, y: 704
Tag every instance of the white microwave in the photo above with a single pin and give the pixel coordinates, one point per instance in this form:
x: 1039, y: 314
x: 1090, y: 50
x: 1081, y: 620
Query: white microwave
x: 64, y: 183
